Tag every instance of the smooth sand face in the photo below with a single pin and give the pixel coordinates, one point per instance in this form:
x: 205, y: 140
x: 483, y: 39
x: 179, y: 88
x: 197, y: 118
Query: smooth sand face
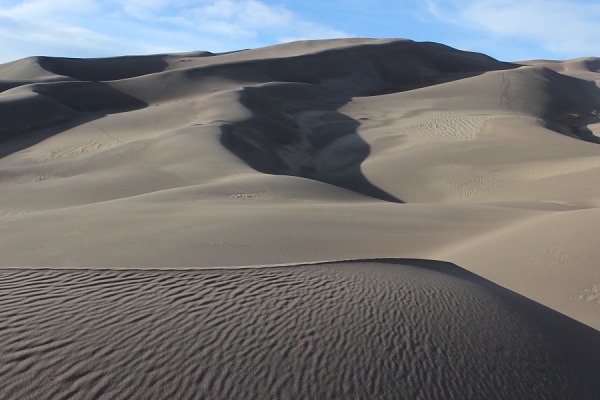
x: 303, y: 153
x: 362, y: 330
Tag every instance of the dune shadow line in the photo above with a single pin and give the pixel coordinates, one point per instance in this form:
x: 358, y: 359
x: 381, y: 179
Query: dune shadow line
x: 296, y: 130
x: 79, y: 94
x: 55, y: 107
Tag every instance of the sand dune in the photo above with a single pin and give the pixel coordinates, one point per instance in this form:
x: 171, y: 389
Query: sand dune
x: 306, y: 152
x: 344, y: 330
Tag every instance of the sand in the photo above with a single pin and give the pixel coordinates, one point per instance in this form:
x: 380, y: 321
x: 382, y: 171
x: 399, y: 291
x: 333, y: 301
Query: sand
x: 301, y: 153
x: 354, y: 330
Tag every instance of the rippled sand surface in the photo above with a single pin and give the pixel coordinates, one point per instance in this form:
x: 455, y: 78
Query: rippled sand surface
x: 368, y: 330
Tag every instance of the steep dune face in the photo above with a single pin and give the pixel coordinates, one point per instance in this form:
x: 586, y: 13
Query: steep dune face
x: 305, y: 152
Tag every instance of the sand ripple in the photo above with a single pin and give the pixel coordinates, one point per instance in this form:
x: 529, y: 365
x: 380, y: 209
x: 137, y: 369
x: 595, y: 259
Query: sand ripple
x: 343, y: 330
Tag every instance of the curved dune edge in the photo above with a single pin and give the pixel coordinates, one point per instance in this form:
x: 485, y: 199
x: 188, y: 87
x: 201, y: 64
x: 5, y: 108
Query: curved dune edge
x: 367, y: 329
x: 408, y: 261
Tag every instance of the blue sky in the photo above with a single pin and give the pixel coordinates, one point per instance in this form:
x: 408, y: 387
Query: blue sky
x: 509, y: 30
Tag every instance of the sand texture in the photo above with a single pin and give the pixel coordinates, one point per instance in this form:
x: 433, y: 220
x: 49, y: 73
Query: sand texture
x: 301, y: 153
x: 356, y: 330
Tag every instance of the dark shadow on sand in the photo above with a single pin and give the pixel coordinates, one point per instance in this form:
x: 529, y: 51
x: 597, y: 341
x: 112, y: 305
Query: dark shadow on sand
x: 296, y: 128
x: 104, y: 69
x: 56, y: 107
x: 79, y: 94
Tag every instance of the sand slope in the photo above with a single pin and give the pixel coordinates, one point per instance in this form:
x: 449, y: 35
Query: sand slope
x: 356, y: 330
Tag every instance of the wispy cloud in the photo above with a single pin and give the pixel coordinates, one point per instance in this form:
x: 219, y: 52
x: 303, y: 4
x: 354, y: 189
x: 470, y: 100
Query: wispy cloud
x: 559, y: 27
x: 251, y: 19
x: 112, y: 27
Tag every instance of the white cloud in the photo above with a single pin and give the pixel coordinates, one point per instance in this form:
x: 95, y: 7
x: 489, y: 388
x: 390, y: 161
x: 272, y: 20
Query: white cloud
x: 251, y: 19
x: 111, y: 27
x: 560, y: 27
x: 221, y: 9
x: 41, y: 8
x: 44, y: 25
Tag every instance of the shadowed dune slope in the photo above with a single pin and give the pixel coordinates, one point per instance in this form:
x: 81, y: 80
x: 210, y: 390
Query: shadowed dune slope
x: 308, y: 152
x: 354, y: 330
